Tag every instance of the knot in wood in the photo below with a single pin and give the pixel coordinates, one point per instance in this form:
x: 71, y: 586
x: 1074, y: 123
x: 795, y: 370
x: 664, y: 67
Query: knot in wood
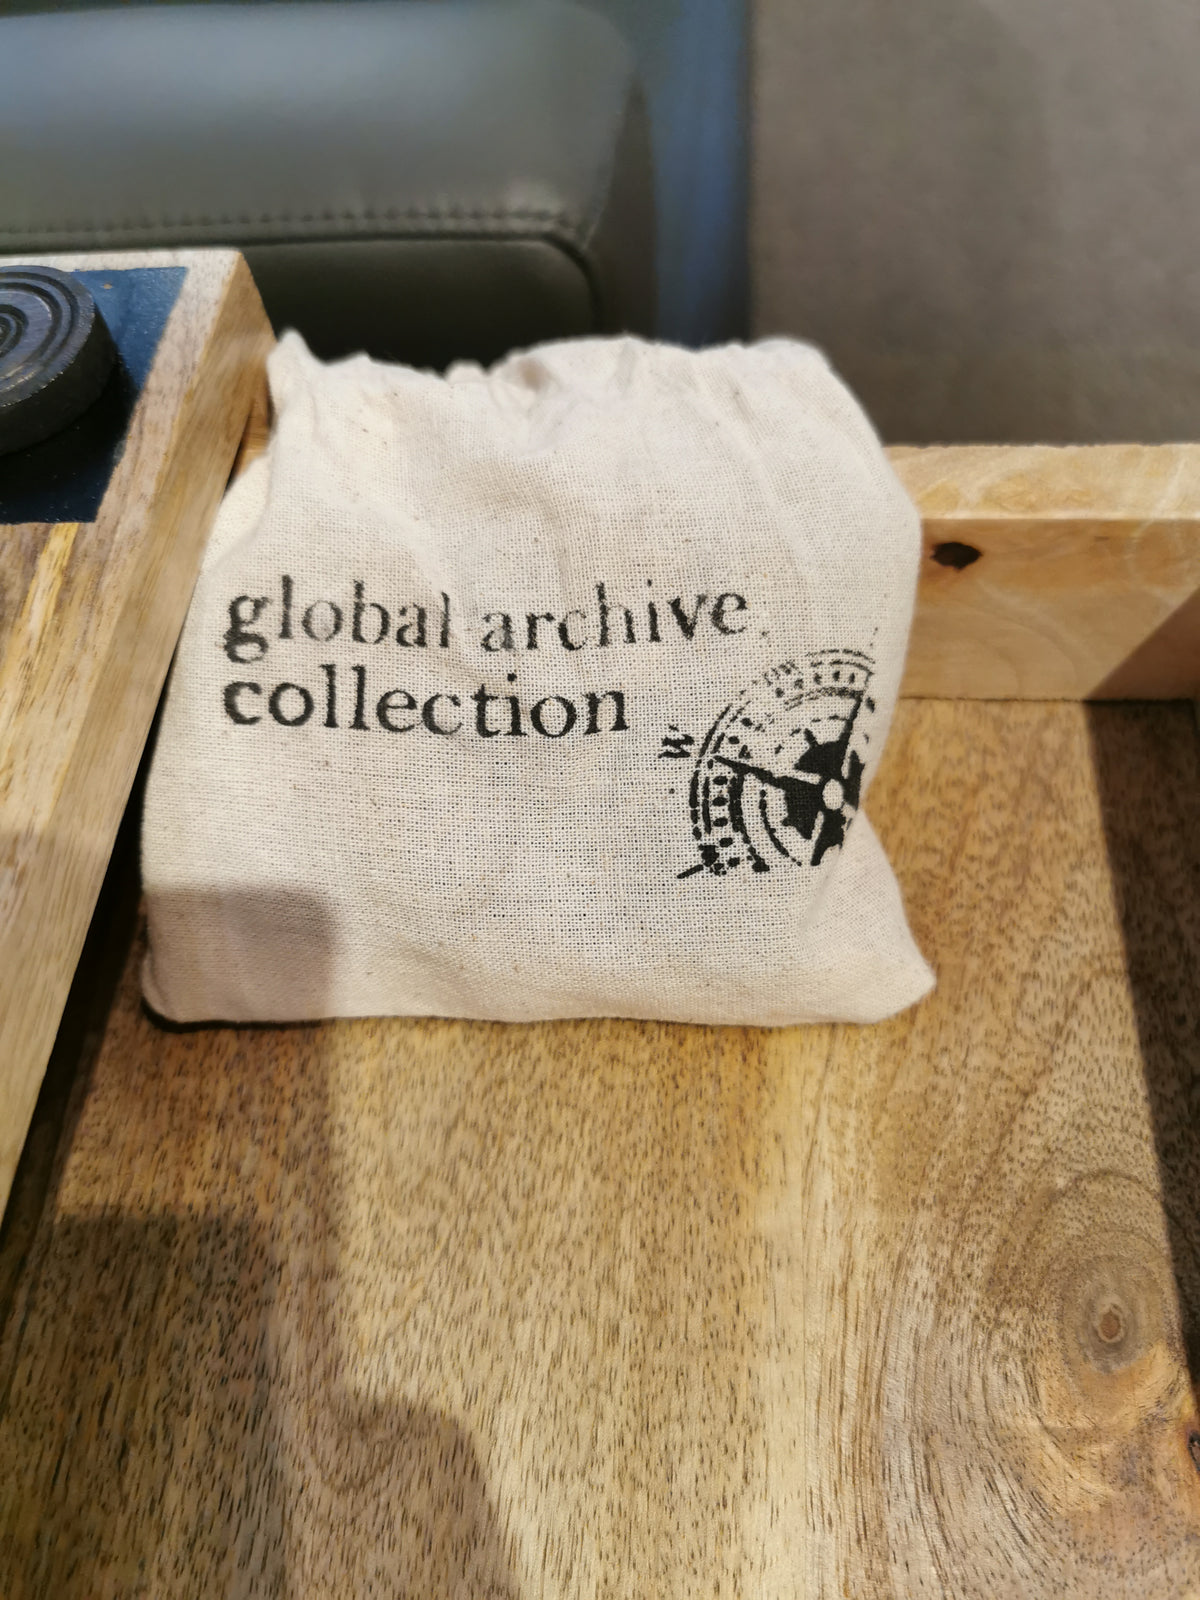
x: 1113, y: 1330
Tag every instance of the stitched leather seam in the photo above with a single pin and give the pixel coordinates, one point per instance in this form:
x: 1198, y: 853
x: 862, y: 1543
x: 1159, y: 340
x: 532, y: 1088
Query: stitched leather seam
x: 443, y: 216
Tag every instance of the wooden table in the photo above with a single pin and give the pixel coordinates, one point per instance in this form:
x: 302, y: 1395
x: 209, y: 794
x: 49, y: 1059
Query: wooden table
x: 606, y: 1308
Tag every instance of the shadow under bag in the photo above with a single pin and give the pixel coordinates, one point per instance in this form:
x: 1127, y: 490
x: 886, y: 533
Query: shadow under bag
x: 553, y: 690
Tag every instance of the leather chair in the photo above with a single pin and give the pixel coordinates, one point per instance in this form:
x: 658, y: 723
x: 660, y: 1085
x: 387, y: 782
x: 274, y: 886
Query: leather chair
x: 423, y: 182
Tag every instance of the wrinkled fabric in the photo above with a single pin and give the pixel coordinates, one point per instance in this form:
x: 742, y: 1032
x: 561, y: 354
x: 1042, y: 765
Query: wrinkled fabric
x: 552, y: 690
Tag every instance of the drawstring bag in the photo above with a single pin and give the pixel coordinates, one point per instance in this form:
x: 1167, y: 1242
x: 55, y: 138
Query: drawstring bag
x: 553, y: 690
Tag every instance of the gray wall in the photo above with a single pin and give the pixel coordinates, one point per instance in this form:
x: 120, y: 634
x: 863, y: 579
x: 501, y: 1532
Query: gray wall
x: 987, y: 211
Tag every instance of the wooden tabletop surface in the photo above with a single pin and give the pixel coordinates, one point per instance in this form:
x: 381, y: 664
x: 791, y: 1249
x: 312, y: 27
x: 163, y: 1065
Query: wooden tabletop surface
x: 603, y: 1308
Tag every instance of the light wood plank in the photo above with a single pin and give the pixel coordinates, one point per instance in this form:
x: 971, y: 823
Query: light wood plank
x: 614, y: 1309
x: 89, y: 617
x: 1087, y: 583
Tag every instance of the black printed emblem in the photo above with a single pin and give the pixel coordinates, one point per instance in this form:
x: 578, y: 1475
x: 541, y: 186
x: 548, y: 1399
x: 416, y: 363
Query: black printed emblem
x: 778, y: 776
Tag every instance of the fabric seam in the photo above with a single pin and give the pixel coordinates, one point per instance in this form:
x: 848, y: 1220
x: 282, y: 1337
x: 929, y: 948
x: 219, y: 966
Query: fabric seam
x: 444, y: 216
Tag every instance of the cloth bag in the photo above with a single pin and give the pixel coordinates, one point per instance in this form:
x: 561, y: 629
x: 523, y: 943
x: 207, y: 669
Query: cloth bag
x: 552, y: 690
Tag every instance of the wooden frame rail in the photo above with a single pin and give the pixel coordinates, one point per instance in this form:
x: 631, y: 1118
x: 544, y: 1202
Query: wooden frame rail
x: 1056, y: 573
x: 89, y: 616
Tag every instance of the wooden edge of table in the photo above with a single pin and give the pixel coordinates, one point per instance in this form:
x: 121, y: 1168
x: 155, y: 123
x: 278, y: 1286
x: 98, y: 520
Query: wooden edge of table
x: 83, y: 661
x: 1056, y: 572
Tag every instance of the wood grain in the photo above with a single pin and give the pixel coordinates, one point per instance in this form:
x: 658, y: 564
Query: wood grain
x: 447, y: 1309
x: 89, y: 616
x: 1087, y: 578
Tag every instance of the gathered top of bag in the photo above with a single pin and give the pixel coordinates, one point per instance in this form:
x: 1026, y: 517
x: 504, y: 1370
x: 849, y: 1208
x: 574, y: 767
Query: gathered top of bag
x: 550, y: 690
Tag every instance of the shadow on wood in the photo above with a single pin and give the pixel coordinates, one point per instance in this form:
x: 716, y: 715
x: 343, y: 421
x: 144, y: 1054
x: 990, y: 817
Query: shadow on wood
x: 180, y: 1410
x: 1147, y: 764
x: 75, y: 1047
x: 1165, y: 665
x: 152, y: 1460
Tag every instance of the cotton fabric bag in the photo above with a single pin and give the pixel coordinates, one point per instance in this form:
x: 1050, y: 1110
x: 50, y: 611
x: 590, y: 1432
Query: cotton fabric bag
x: 553, y: 690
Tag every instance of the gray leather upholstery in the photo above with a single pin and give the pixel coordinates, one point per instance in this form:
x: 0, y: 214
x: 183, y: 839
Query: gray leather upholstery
x: 425, y: 182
